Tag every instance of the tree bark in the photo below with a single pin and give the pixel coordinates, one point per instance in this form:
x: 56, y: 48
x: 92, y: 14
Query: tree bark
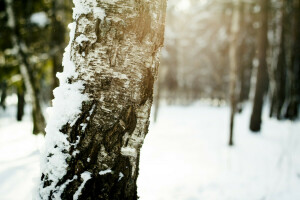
x: 262, y: 72
x: 100, y: 113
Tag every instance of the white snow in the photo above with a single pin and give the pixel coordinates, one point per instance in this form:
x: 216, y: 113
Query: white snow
x: 99, y: 13
x: 81, y: 38
x: 121, y: 175
x: 40, y: 19
x: 184, y: 157
x: 62, y: 188
x: 107, y: 171
x: 85, y: 176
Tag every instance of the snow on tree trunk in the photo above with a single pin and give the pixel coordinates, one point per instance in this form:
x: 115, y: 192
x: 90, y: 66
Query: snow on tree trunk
x: 100, y: 114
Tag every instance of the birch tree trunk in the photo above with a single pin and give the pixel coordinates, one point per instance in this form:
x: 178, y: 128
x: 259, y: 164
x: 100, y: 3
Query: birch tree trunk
x: 100, y: 114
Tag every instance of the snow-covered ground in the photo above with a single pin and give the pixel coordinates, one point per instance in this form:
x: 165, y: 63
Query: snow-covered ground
x: 185, y: 157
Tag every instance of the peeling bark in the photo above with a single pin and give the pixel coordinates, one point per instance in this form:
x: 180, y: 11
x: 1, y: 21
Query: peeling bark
x: 115, y: 51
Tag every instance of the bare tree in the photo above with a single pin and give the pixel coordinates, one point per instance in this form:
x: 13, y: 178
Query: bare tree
x: 100, y: 114
x: 262, y: 72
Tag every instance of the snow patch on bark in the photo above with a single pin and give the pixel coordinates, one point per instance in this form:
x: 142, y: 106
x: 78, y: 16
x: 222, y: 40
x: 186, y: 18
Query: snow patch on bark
x: 121, y: 175
x: 105, y: 172
x: 62, y: 188
x: 66, y: 109
x: 81, y: 38
x: 128, y: 151
x: 85, y: 176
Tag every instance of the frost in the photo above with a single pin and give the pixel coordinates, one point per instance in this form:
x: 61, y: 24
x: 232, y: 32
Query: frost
x: 40, y: 19
x: 85, y: 176
x: 105, y: 172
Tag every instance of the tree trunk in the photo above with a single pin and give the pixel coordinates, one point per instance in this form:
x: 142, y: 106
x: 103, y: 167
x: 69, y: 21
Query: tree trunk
x: 262, y: 72
x: 294, y: 68
x: 279, y: 93
x: 100, y: 113
x: 246, y: 54
x: 26, y: 71
x: 21, y: 103
x: 3, y: 94
x: 233, y: 58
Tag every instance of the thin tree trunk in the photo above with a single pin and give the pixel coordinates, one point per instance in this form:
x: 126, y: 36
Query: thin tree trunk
x: 262, y: 72
x: 100, y: 113
x: 21, y: 103
x: 26, y: 71
x: 3, y: 94
x: 233, y: 66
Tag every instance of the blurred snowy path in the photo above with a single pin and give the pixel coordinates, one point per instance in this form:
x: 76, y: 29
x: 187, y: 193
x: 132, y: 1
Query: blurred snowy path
x: 185, y: 157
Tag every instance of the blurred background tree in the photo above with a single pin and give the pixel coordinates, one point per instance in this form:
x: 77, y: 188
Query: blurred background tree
x: 31, y: 45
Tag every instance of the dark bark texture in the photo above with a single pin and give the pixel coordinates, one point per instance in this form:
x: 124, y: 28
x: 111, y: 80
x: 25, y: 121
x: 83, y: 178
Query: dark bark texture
x: 262, y: 73
x: 292, y: 111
